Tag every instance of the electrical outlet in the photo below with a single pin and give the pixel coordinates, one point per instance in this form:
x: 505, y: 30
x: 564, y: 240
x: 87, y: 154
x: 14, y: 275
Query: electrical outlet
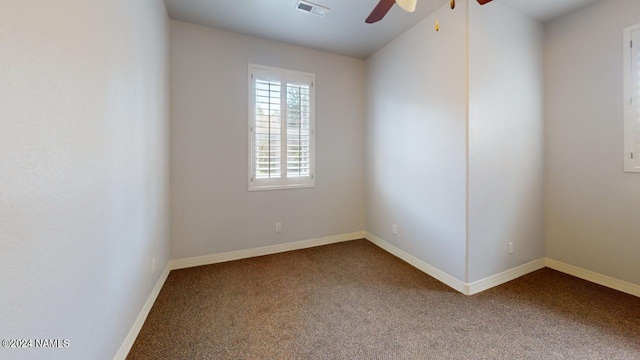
x: 394, y: 229
x: 153, y: 265
x: 278, y: 227
x: 510, y: 248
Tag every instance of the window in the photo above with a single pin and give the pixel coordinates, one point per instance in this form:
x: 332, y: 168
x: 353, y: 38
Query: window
x: 632, y: 98
x: 281, y: 129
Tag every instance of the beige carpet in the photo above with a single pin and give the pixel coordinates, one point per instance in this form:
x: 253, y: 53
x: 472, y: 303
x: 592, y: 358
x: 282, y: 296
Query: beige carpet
x: 354, y: 301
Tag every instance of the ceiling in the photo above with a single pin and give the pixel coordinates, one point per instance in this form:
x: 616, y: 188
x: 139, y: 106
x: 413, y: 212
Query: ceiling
x: 343, y: 31
x: 546, y: 10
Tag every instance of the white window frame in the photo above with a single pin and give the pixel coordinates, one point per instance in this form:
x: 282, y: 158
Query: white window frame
x: 631, y: 103
x: 283, y: 76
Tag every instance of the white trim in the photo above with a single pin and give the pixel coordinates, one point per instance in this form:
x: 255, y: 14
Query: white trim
x: 505, y: 276
x: 267, y: 250
x: 452, y: 282
x: 285, y: 77
x: 594, y: 277
x: 434, y: 272
x: 460, y: 286
x: 630, y: 106
x: 142, y: 316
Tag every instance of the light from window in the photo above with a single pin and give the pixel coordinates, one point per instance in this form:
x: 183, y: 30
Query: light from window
x: 268, y: 122
x: 298, y: 130
x: 281, y: 129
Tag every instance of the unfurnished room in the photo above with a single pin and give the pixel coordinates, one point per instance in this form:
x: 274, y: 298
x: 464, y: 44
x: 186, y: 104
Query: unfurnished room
x: 324, y: 179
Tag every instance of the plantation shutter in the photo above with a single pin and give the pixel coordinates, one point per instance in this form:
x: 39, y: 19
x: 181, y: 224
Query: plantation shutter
x: 268, y: 127
x: 298, y: 128
x: 635, y: 94
x: 281, y: 129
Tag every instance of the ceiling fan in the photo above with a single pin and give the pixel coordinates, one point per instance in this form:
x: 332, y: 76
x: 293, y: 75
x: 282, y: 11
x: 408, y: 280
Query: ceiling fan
x: 384, y: 6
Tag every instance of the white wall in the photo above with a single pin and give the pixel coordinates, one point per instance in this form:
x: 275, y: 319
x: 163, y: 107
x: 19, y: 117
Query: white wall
x: 212, y: 210
x: 416, y: 142
x: 592, y: 206
x: 84, y: 122
x: 506, y: 139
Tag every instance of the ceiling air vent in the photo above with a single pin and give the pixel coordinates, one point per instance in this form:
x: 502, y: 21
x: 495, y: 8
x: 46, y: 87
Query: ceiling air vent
x: 312, y: 8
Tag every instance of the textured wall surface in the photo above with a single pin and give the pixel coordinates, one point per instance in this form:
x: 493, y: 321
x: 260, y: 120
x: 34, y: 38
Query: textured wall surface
x: 84, y: 172
x: 592, y: 205
x: 506, y: 139
x: 416, y: 142
x: 211, y: 209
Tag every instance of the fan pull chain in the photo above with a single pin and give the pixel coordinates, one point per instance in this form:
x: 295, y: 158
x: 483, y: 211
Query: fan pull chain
x: 452, y: 3
x: 437, y: 20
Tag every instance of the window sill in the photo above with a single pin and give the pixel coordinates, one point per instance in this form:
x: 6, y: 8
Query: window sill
x: 281, y: 187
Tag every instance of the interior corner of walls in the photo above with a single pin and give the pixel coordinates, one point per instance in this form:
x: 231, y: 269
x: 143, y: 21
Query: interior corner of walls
x: 130, y: 339
x: 262, y: 251
x: 428, y: 269
x: 594, y: 277
x: 504, y: 277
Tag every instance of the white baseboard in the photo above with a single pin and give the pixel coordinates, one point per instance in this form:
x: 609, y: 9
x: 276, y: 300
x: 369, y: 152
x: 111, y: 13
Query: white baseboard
x: 458, y: 285
x: 137, y: 325
x: 267, y: 250
x: 594, y: 277
x: 217, y: 258
x: 461, y: 286
x: 432, y: 271
x: 503, y: 277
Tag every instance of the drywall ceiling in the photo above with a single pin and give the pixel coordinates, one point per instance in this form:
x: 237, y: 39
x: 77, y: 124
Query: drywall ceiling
x: 546, y: 10
x: 343, y: 31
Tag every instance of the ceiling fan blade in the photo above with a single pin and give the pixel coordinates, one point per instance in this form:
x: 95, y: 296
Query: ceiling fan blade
x: 482, y: 2
x: 380, y: 11
x: 407, y: 5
